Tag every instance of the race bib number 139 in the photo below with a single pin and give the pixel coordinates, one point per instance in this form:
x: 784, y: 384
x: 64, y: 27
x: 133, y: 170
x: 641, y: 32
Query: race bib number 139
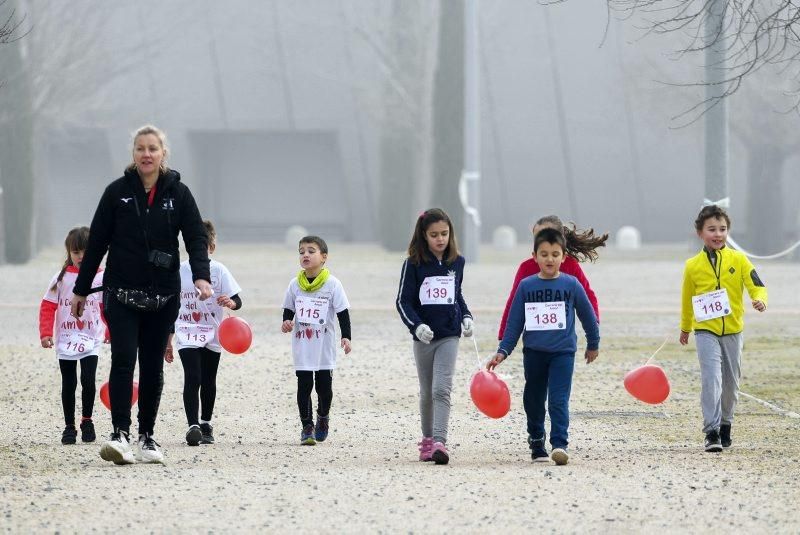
x: 437, y: 291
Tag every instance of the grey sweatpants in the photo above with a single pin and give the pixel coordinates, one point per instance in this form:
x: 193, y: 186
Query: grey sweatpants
x: 720, y: 369
x: 436, y: 363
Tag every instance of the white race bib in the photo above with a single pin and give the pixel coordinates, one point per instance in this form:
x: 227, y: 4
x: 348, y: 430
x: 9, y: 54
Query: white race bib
x: 711, y: 305
x: 194, y: 334
x: 550, y: 316
x: 313, y: 310
x: 437, y: 290
x: 71, y: 343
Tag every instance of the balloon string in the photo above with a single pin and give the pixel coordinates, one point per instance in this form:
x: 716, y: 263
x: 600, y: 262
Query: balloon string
x: 657, y: 350
x: 477, y: 353
x: 208, y: 311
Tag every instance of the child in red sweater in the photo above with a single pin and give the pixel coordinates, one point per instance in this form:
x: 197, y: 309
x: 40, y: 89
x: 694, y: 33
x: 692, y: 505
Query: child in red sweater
x: 581, y: 246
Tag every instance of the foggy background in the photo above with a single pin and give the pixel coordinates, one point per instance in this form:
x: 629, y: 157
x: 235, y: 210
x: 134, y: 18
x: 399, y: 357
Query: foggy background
x: 344, y: 116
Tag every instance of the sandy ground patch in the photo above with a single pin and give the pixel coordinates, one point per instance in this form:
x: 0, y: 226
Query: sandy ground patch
x: 634, y: 467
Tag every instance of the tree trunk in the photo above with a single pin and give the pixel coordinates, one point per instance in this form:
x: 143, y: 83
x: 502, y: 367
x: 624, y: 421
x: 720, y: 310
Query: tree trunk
x: 16, y: 154
x: 765, y: 222
x: 403, y: 128
x: 448, y: 112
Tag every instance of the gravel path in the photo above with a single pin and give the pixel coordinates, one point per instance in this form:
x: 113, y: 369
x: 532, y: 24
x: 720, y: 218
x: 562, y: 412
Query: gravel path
x: 634, y: 467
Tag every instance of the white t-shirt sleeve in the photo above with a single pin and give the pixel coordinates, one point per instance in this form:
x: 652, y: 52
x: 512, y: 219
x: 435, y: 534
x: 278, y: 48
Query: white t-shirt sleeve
x: 51, y: 294
x: 340, y: 301
x: 227, y: 284
x: 288, y: 300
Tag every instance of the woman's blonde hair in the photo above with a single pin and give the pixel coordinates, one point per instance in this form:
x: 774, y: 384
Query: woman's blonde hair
x: 162, y: 140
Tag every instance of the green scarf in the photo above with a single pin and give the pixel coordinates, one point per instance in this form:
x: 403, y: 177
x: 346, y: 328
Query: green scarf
x: 319, y: 280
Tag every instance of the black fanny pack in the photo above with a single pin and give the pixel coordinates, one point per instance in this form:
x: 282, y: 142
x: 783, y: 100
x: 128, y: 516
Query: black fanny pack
x: 140, y: 299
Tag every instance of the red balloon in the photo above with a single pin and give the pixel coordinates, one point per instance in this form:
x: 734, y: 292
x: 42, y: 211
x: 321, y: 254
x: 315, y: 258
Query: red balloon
x: 106, y: 399
x: 235, y: 335
x: 648, y: 383
x: 490, y: 394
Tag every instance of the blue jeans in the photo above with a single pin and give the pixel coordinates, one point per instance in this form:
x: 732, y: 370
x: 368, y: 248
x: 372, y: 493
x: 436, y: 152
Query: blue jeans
x: 548, y: 376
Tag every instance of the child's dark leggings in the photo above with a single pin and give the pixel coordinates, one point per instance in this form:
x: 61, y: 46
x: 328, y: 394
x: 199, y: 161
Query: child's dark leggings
x: 200, y: 366
x: 324, y: 386
x: 69, y: 382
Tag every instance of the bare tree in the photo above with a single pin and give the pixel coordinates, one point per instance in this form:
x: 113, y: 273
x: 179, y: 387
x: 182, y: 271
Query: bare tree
x: 754, y: 35
x: 45, y: 81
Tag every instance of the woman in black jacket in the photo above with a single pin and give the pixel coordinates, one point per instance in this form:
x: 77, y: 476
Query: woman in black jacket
x: 137, y: 222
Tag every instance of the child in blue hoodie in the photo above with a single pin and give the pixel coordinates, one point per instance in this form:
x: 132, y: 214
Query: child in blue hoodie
x: 431, y: 305
x: 544, y: 306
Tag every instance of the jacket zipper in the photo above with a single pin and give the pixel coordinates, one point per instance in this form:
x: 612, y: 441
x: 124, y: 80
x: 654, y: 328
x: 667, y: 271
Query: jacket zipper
x: 717, y: 274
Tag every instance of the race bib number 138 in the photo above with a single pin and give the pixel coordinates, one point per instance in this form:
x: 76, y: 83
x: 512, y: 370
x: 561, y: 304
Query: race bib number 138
x: 550, y: 316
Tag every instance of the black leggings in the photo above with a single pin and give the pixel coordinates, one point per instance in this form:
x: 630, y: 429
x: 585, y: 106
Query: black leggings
x: 137, y: 335
x: 199, y: 374
x: 69, y: 382
x: 324, y: 387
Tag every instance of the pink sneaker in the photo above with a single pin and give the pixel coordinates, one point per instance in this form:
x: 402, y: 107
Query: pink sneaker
x: 425, y: 448
x: 439, y: 454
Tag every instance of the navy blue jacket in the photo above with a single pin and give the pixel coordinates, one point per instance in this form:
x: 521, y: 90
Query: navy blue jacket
x: 444, y: 320
x: 564, y: 288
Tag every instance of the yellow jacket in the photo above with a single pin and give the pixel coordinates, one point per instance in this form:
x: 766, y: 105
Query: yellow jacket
x: 733, y: 272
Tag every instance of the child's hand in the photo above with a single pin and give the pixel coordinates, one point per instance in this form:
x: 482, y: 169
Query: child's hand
x: 47, y: 342
x: 287, y: 326
x: 346, y: 346
x: 225, y: 301
x: 169, y: 356
x: 759, y: 305
x: 466, y: 326
x: 590, y: 355
x: 684, y: 338
x: 424, y: 333
x: 497, y: 359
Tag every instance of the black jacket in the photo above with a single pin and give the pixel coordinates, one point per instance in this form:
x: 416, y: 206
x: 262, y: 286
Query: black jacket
x: 120, y: 231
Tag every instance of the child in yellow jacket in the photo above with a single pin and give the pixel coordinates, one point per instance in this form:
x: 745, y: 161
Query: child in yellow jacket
x: 712, y: 306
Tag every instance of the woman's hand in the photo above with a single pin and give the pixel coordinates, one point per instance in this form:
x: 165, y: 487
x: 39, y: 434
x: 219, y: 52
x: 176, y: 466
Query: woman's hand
x: 78, y: 304
x: 47, y: 342
x: 204, y: 289
x: 590, y: 355
x: 759, y: 305
x: 287, y: 326
x: 346, y: 346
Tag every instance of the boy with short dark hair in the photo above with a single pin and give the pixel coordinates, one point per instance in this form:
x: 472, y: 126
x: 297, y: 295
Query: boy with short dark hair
x: 544, y: 306
x: 712, y: 306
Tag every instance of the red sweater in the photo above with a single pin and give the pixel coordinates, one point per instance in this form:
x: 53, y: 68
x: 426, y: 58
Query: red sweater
x: 530, y: 267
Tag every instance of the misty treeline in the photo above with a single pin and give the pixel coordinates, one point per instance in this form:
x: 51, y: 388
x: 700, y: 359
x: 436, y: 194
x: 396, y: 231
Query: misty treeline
x: 46, y: 49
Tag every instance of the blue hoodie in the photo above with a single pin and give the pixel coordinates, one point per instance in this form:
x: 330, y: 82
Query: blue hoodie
x: 564, y: 288
x: 444, y: 320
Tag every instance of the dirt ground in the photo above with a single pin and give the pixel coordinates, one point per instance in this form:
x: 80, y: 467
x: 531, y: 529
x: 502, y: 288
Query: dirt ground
x: 634, y: 467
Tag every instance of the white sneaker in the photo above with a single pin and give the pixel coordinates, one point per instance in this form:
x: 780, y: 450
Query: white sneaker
x: 560, y: 456
x: 117, y: 449
x: 148, y: 450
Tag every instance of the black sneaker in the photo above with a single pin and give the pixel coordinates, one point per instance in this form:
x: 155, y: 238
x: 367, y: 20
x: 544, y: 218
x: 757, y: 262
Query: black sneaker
x: 538, y: 450
x: 194, y: 435
x: 87, y: 431
x: 713, y: 443
x: 725, y: 435
x: 208, y: 434
x: 69, y: 435
x: 321, y: 428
